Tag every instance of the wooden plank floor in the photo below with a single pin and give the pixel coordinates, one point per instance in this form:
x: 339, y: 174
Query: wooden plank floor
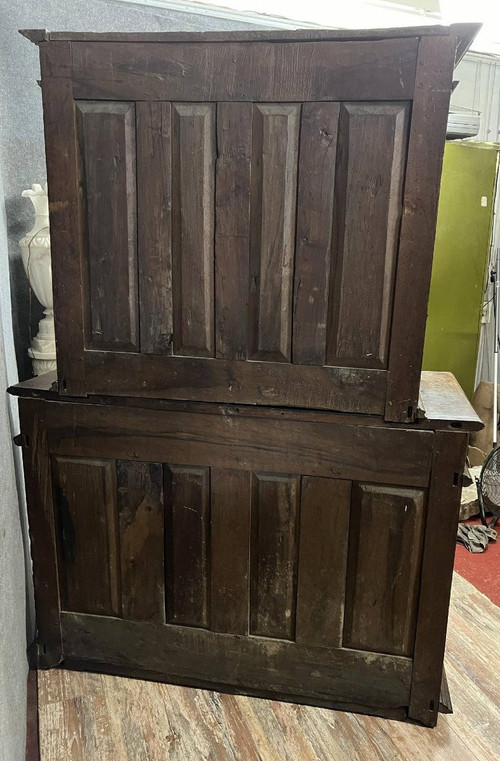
x: 92, y: 717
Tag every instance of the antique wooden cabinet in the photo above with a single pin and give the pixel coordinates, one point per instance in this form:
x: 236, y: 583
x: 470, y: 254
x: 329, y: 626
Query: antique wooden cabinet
x: 296, y: 554
x: 246, y: 217
x: 233, y: 483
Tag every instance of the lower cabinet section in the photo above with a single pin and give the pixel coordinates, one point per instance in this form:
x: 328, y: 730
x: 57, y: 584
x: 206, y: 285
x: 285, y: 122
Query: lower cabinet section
x: 318, y: 561
x: 242, y: 550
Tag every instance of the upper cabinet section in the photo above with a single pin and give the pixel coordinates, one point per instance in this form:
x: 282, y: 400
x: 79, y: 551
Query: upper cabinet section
x: 245, y: 221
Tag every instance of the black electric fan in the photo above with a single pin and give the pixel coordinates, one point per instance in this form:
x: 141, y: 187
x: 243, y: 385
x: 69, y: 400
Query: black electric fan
x: 488, y: 483
x: 488, y: 488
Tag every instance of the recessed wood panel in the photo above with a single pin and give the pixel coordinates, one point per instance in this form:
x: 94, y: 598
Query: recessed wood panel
x: 383, y: 572
x: 187, y: 531
x: 106, y: 135
x: 273, y: 555
x: 140, y: 511
x: 324, y: 526
x: 369, y: 186
x: 273, y: 206
x: 193, y: 167
x: 230, y: 547
x: 85, y: 503
x: 154, y: 207
x: 232, y: 228
x: 317, y: 156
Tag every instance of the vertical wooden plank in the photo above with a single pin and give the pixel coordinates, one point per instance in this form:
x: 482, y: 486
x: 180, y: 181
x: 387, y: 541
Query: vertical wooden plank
x: 273, y: 202
x: 187, y: 536
x: 232, y: 228
x: 318, y: 146
x: 193, y: 168
x: 140, y: 513
x: 65, y: 221
x: 383, y: 568
x: 273, y: 555
x: 154, y: 207
x: 418, y: 225
x: 85, y: 502
x: 38, y: 481
x: 437, y: 571
x: 324, y: 526
x: 230, y: 560
x: 369, y: 188
x: 107, y: 140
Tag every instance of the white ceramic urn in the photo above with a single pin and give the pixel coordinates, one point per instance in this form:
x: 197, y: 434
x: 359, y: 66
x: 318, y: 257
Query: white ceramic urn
x: 35, y: 251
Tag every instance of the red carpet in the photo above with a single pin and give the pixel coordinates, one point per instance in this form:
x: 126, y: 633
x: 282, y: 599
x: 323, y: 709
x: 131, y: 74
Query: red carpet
x: 481, y: 569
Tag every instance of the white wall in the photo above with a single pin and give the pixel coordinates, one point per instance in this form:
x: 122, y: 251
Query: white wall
x: 479, y: 90
x: 13, y: 663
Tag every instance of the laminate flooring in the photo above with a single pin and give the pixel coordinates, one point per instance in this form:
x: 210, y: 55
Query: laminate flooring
x: 94, y: 717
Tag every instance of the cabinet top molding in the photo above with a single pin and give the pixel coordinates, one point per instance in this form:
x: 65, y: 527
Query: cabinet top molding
x: 465, y: 34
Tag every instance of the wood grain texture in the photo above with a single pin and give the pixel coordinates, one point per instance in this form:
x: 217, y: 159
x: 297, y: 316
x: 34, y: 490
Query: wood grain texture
x: 418, y: 223
x: 230, y: 550
x: 154, y: 222
x: 194, y: 723
x: 270, y: 383
x: 279, y: 666
x: 65, y: 222
x: 107, y: 143
x: 38, y: 483
x: 439, y: 395
x: 470, y: 671
x: 324, y: 526
x: 276, y: 535
x: 232, y: 228
x: 444, y: 404
x: 141, y: 526
x: 238, y: 257
x: 273, y: 555
x: 383, y: 568
x: 273, y: 206
x: 187, y: 546
x: 41, y: 36
x: 297, y: 446
x: 382, y: 69
x: 44, y: 387
x: 32, y: 723
x: 369, y: 187
x: 55, y: 60
x: 316, y: 180
x: 193, y: 168
x: 85, y: 505
x: 437, y: 562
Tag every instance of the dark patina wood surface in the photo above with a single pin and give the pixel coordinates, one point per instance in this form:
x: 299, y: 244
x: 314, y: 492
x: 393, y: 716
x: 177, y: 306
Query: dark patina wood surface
x: 442, y: 404
x: 233, y: 483
x: 301, y: 554
x: 235, y: 269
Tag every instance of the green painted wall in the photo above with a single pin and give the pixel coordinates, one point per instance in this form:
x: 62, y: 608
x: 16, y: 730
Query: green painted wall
x: 460, y: 260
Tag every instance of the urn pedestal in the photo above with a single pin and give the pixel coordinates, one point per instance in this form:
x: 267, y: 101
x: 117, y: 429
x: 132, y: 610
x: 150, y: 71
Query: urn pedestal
x: 35, y: 251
